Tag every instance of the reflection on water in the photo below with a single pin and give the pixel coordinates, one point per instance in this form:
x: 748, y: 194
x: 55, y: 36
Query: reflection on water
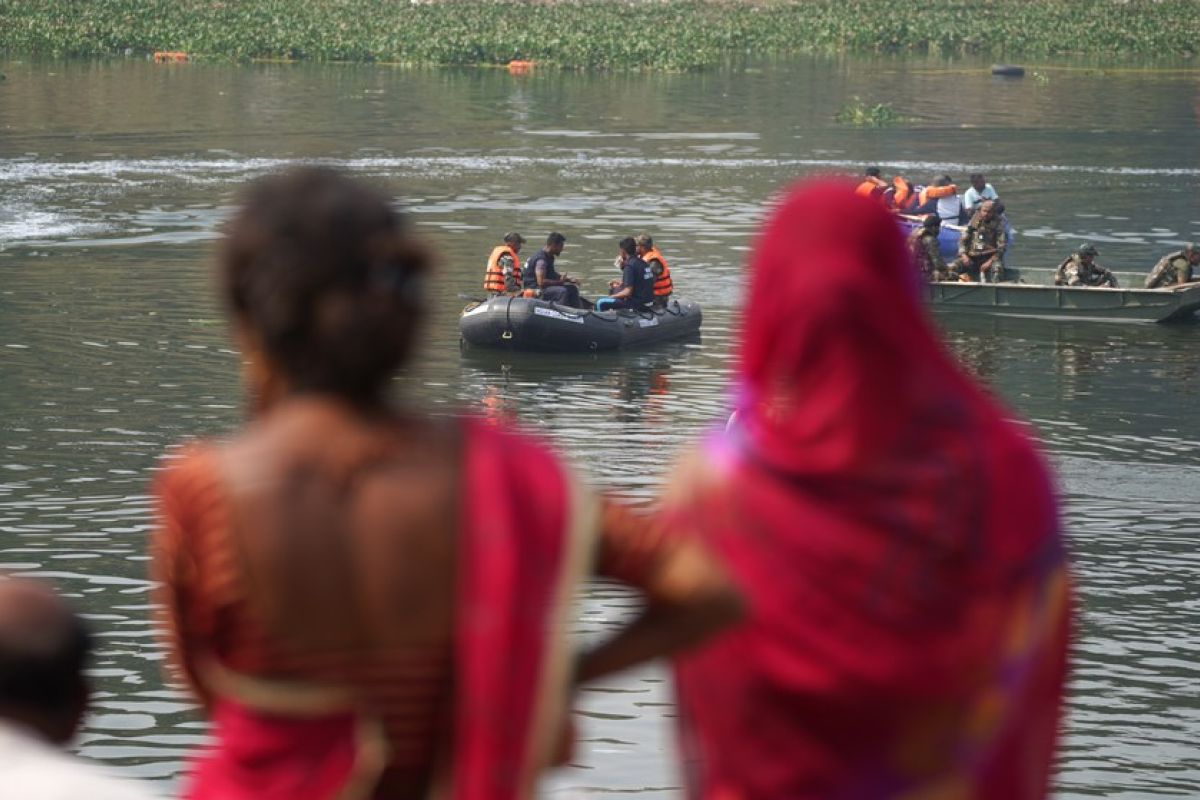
x: 114, y: 179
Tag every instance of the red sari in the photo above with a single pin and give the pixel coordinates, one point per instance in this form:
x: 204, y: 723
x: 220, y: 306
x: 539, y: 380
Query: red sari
x: 303, y: 734
x: 894, y: 532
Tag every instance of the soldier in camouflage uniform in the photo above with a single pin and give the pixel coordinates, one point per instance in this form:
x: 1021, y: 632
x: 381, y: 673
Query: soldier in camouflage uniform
x: 1175, y: 268
x: 1080, y: 269
x: 981, y: 247
x: 923, y: 244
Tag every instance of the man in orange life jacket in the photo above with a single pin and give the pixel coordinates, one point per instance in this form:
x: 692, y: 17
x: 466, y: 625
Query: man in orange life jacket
x: 504, y: 267
x: 872, y: 184
x: 941, y: 198
x: 663, y: 285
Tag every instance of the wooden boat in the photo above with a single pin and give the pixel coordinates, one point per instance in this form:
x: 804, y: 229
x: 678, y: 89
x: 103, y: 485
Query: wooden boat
x: 1032, y: 293
x: 522, y: 323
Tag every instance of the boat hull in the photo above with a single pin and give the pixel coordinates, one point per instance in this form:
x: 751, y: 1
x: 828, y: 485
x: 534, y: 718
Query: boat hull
x: 521, y: 323
x: 1067, y: 302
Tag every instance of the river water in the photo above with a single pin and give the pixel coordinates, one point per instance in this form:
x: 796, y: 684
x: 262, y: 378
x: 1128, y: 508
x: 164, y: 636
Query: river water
x: 114, y: 178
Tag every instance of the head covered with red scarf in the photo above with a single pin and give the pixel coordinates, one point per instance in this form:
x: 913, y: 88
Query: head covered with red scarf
x: 895, y: 534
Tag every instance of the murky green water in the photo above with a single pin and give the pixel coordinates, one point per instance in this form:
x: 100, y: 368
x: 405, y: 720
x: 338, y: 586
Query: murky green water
x: 113, y: 178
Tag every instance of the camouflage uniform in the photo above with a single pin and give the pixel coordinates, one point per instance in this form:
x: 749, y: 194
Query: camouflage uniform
x: 507, y: 266
x: 923, y: 244
x: 1074, y: 271
x: 979, y: 237
x: 1171, y: 269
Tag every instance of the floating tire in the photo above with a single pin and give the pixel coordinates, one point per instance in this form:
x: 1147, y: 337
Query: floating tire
x: 1008, y: 70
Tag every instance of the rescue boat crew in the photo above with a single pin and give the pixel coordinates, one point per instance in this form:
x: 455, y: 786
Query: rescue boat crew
x: 873, y: 184
x: 941, y: 198
x: 1175, y: 268
x: 503, y: 274
x: 541, y: 277
x: 663, y: 285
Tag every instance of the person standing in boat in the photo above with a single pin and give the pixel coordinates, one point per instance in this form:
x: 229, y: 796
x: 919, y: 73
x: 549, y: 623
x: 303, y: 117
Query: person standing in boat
x: 1080, y: 269
x: 927, y: 252
x: 982, y: 244
x: 1175, y: 268
x: 636, y: 289
x: 979, y: 191
x: 504, y: 267
x: 540, y: 276
x: 663, y: 285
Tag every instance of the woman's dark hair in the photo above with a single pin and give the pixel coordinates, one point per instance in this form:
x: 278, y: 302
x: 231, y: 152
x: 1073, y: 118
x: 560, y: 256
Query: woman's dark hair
x: 321, y: 268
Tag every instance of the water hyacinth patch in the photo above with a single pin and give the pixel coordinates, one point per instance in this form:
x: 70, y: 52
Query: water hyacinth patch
x: 602, y: 34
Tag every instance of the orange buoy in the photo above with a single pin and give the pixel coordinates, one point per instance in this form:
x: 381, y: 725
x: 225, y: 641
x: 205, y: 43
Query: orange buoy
x: 519, y: 67
x: 169, y: 57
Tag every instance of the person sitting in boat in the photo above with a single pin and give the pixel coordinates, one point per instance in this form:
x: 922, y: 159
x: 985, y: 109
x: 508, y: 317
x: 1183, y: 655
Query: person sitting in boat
x: 903, y: 197
x: 540, y: 276
x: 663, y: 285
x: 873, y: 184
x: 982, y: 244
x: 636, y: 289
x: 1080, y: 269
x: 503, y: 274
x: 926, y: 252
x: 979, y: 191
x: 1175, y: 268
x: 940, y: 198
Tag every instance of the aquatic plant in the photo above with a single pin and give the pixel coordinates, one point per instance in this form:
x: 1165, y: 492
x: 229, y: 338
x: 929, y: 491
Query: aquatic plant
x: 864, y: 115
x: 605, y: 34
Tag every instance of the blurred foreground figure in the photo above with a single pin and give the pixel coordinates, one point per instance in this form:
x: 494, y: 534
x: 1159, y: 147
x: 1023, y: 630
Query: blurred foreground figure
x: 895, y: 536
x: 355, y: 593
x: 43, y: 697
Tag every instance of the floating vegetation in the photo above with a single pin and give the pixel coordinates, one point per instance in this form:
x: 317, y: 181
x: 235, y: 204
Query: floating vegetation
x: 863, y: 115
x: 594, y: 34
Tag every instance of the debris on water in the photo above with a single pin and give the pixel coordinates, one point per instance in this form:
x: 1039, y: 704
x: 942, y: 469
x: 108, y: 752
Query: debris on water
x: 1008, y: 70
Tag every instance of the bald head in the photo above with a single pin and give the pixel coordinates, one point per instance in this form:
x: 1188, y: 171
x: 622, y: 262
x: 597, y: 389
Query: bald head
x: 43, y: 648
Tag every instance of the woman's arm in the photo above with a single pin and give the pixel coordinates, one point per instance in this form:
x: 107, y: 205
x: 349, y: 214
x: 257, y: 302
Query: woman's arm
x: 688, y: 596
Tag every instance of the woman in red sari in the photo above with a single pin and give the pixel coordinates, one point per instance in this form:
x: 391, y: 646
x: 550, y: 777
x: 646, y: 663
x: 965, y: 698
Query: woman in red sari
x: 895, y: 536
x: 369, y: 602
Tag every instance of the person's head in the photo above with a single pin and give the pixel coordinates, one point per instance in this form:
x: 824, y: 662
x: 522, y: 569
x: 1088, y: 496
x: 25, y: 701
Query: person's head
x: 323, y: 280
x: 43, y: 649
x: 941, y: 180
x: 872, y: 172
x: 997, y: 208
x: 978, y: 181
x: 628, y: 247
x: 514, y: 240
x: 1192, y: 251
x: 644, y: 243
x: 987, y: 209
x: 555, y: 243
x: 932, y: 223
x: 1087, y: 252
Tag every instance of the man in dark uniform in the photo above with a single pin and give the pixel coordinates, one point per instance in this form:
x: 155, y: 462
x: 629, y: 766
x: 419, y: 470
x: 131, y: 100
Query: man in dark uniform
x: 636, y: 289
x: 1175, y: 268
x: 539, y: 274
x: 1080, y: 269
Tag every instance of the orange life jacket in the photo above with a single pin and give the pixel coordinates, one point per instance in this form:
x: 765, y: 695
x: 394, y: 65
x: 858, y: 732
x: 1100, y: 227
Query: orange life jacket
x: 663, y: 285
x: 903, y: 196
x: 493, y: 280
x: 935, y: 193
x: 871, y: 186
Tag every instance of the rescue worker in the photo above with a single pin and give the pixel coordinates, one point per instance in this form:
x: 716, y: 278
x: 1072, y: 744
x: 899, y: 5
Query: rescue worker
x: 663, y: 285
x: 940, y: 198
x: 979, y: 191
x: 1080, y: 269
x: 503, y: 274
x: 540, y: 276
x: 636, y: 289
x: 1175, y: 268
x: 904, y: 196
x: 926, y: 252
x: 872, y: 185
x: 982, y: 244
